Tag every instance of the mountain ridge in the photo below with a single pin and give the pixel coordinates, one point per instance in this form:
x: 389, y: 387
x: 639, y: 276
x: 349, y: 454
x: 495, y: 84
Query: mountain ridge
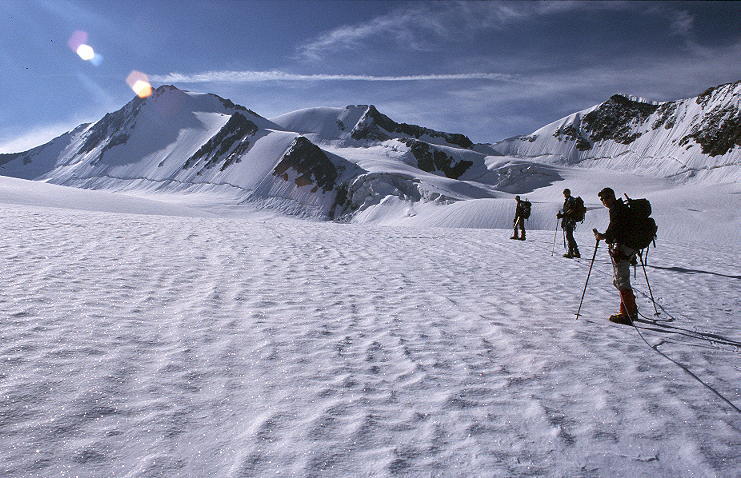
x: 688, y: 139
x: 334, y: 162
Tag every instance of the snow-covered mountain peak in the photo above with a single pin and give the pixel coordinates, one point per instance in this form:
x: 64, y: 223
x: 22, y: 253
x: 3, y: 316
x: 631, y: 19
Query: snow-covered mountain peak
x: 348, y: 161
x: 697, y: 138
x: 326, y: 122
x: 377, y: 126
x: 638, y: 99
x: 362, y: 123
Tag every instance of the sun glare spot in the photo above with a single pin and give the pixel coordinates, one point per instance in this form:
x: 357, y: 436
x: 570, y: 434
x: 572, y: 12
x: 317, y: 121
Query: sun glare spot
x: 142, y: 89
x: 85, y: 52
x: 139, y: 82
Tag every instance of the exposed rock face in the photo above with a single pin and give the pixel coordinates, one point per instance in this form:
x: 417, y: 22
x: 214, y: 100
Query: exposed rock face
x: 719, y: 131
x: 316, y: 178
x: 431, y: 159
x: 615, y: 119
x: 310, y: 163
x: 572, y: 132
x: 227, y: 145
x: 666, y: 115
x: 112, y: 129
x: 377, y: 126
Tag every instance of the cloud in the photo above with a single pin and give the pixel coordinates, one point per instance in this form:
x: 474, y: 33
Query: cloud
x: 274, y: 75
x: 421, y: 29
x: 35, y: 137
x: 414, y: 29
x: 682, y: 23
x: 664, y: 79
x: 395, y: 25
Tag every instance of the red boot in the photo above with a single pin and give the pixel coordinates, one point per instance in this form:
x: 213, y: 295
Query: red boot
x: 628, y: 308
x: 628, y: 304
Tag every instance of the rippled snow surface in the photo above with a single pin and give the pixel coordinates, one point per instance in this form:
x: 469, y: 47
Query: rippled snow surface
x: 158, y: 346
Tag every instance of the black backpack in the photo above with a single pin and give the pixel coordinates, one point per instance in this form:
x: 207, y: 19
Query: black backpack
x: 642, y: 228
x: 526, y: 206
x: 579, y: 210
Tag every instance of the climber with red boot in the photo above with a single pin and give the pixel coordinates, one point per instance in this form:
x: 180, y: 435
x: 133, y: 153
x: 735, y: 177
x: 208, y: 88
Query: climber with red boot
x: 617, y: 234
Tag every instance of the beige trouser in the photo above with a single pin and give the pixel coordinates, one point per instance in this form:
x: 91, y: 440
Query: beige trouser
x: 621, y: 257
x: 519, y: 222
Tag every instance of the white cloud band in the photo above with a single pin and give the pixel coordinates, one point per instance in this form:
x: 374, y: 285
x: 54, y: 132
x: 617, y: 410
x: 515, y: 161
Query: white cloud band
x: 258, y: 76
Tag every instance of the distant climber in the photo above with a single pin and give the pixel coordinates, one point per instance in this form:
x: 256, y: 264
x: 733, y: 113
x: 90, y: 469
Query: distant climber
x: 622, y: 256
x: 571, y: 213
x: 522, y: 212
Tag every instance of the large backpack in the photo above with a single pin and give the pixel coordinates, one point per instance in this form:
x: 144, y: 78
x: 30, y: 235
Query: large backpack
x: 641, y: 228
x: 526, y: 207
x: 579, y: 210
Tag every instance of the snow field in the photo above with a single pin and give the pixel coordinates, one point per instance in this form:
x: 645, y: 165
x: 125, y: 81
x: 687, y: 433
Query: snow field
x: 138, y: 346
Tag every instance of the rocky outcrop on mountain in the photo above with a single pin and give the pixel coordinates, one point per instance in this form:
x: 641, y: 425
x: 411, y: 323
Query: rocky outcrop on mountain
x: 432, y: 159
x: 309, y: 164
x: 374, y: 125
x: 227, y: 146
x: 720, y: 128
x: 570, y: 132
x: 666, y: 116
x: 307, y: 181
x: 616, y: 119
x: 113, y: 129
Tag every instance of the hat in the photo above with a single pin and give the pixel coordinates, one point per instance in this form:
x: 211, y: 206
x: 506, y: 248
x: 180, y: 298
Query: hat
x: 517, y: 198
x: 567, y: 190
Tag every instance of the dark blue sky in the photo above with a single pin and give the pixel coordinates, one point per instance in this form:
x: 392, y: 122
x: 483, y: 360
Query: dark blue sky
x: 486, y: 69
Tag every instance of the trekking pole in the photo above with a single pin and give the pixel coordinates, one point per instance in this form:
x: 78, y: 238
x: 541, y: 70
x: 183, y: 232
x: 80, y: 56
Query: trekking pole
x: 650, y: 292
x: 554, y: 239
x: 587, y: 281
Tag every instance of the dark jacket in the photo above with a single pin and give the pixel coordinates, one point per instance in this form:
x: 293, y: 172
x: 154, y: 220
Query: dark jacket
x: 569, y: 206
x: 520, y: 209
x: 619, y: 223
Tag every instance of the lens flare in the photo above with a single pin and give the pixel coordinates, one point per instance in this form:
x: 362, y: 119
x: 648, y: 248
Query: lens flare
x: 76, y: 39
x: 139, y: 82
x: 142, y: 89
x: 78, y: 43
x: 85, y: 52
x: 97, y: 59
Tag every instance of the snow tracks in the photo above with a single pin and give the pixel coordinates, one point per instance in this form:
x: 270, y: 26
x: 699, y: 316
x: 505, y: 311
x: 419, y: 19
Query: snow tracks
x: 143, y: 346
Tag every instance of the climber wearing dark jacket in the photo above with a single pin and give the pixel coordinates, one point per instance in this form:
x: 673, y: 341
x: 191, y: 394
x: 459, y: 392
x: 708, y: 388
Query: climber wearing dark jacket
x: 621, y: 255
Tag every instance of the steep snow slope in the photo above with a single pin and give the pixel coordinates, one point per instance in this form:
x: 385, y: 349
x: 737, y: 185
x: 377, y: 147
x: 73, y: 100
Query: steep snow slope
x: 696, y: 139
x: 324, y: 122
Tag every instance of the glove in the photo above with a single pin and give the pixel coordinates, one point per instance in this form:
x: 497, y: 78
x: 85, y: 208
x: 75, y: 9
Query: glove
x: 559, y: 215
